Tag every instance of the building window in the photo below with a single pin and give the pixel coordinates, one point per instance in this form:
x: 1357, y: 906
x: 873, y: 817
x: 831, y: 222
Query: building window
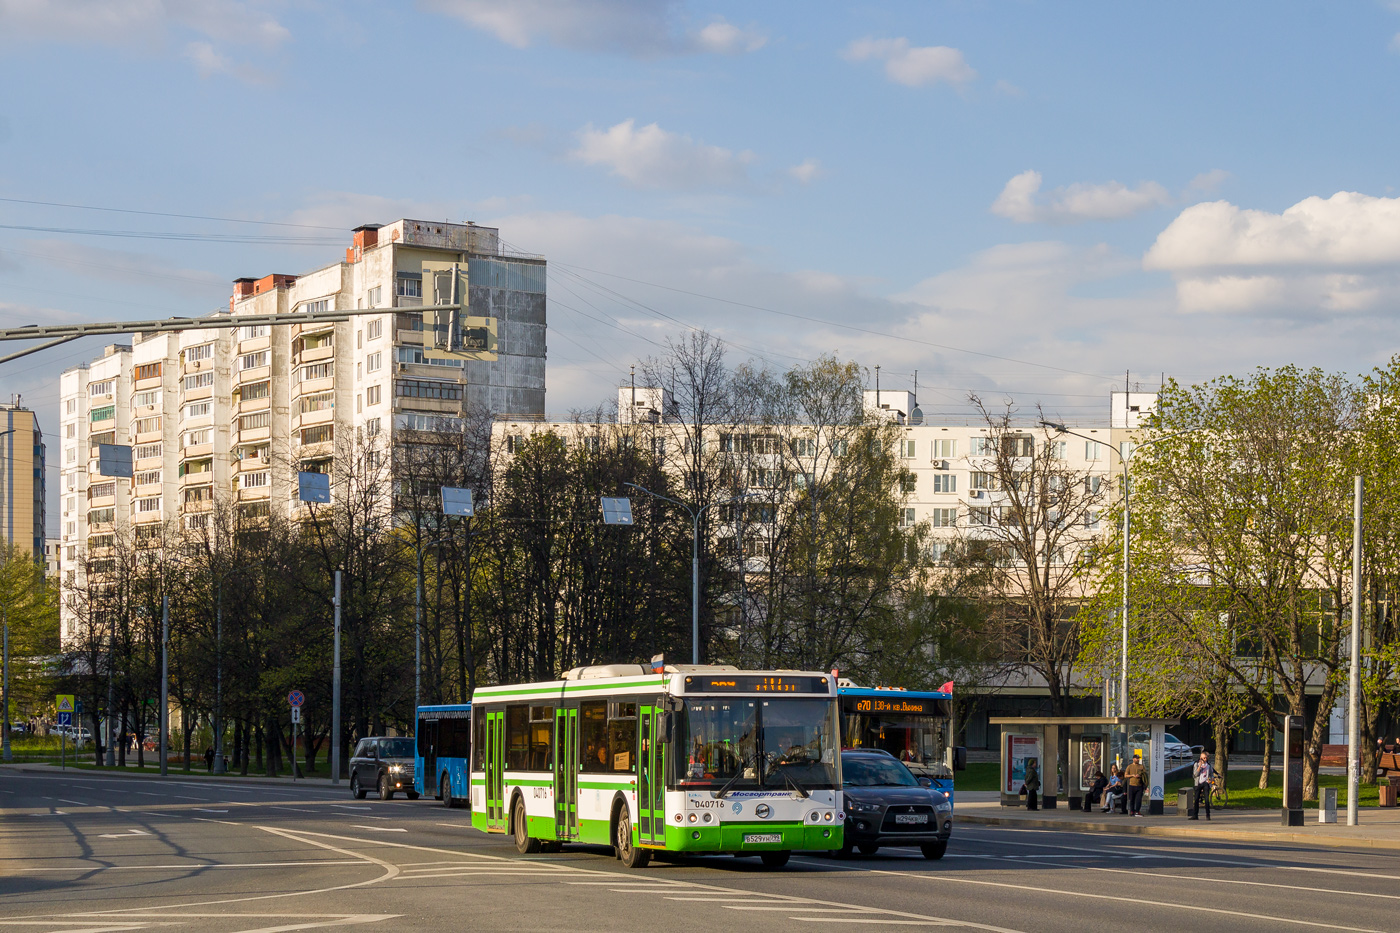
x: 102, y: 516
x: 199, y: 494
x: 1091, y: 518
x: 907, y: 448
x: 415, y: 355
x: 71, y: 406
x: 978, y: 447
x: 406, y: 287
x: 253, y: 331
x: 945, y: 482
x: 1018, y: 446
x: 371, y: 426
x: 374, y: 329
x: 944, y: 518
x: 72, y: 454
x: 202, y: 352
x: 201, y: 436
x: 253, y: 360
x: 315, y: 307
x: 102, y: 490
x: 979, y: 515
x: 147, y: 371
x: 316, y: 371
x: 840, y: 447
x: 909, y: 482
x: 372, y: 395
x: 253, y: 390
x: 1092, y: 450
x: 1059, y: 449
x: 100, y: 388
x: 804, y: 447
x: 71, y: 430
x: 105, y: 413
x: 146, y: 425
x: 374, y: 296
x: 907, y: 519
x: 145, y: 452
x: 197, y: 522
x: 658, y: 446
x: 420, y: 388
x: 106, y: 437
x: 318, y: 401
x: 148, y: 478
x: 150, y: 504
x: 319, y: 434
x: 945, y: 449
x: 199, y: 380
x: 260, y: 509
x: 146, y: 399
x: 258, y: 419
x: 198, y: 409
x: 515, y: 443
x: 374, y: 361
x: 982, y: 480
x: 1092, y: 484
x: 254, y: 480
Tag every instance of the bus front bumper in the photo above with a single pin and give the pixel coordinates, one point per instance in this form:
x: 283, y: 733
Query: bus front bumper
x: 753, y: 837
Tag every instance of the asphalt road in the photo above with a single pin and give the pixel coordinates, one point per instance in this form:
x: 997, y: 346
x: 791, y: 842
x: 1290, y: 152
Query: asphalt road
x: 89, y: 854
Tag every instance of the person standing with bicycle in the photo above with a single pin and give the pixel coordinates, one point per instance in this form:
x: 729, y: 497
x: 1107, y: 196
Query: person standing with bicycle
x: 1202, y: 774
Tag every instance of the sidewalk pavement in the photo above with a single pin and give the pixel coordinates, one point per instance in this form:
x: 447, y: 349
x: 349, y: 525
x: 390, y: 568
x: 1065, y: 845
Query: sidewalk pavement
x: 175, y: 774
x: 1378, y: 828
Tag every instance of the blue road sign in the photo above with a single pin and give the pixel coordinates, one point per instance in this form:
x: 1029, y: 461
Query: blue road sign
x: 314, y: 487
x: 296, y: 698
x: 65, y: 719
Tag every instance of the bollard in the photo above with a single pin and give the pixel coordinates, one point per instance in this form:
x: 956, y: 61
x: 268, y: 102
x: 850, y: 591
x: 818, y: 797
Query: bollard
x: 1183, y: 801
x: 1327, y: 805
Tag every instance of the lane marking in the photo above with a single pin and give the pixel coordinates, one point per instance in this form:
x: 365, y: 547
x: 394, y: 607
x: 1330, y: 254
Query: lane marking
x: 199, y: 865
x: 381, y: 829
x: 125, y: 835
x: 1129, y: 900
x: 1256, y: 884
x: 207, y: 810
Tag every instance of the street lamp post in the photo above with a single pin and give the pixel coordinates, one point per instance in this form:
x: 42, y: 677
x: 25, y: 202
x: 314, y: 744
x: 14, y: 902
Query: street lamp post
x: 1127, y: 529
x: 5, y: 752
x: 694, y: 560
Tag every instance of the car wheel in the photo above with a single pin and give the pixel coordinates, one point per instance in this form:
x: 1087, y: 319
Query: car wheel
x: 775, y: 859
x: 411, y: 794
x: 868, y: 848
x: 386, y: 790
x: 356, y: 790
x: 934, y: 850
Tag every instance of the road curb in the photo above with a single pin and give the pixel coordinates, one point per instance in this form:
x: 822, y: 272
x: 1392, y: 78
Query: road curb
x: 1182, y: 832
x: 173, y: 775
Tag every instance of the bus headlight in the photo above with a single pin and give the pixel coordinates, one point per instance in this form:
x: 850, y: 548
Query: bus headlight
x: 693, y: 817
x: 827, y: 816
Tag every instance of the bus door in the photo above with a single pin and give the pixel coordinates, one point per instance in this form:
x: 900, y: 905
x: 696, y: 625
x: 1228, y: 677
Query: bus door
x: 566, y: 772
x: 425, y: 773
x: 651, y: 777
x: 494, y: 760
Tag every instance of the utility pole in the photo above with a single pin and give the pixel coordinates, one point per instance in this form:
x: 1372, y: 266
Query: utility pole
x: 1354, y: 687
x: 335, y: 692
x: 5, y: 752
x: 164, y: 682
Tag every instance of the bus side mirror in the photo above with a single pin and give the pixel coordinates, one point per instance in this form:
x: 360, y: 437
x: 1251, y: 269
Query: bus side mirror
x: 663, y: 727
x: 959, y: 758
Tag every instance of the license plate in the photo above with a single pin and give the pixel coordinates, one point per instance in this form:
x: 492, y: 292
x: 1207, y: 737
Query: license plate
x: 911, y: 817
x: 757, y: 838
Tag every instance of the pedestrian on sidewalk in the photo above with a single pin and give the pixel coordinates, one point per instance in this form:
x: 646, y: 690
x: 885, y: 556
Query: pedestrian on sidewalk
x: 1201, y: 775
x: 1136, y: 776
x: 1032, y: 785
x: 209, y: 759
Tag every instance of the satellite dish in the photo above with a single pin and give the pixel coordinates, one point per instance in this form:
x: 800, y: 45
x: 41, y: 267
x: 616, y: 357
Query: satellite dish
x: 916, y: 416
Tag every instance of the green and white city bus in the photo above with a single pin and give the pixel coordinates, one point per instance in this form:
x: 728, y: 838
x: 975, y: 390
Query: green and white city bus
x: 679, y: 758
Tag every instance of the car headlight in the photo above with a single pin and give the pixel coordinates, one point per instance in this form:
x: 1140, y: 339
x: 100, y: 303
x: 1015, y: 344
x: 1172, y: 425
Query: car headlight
x: 856, y: 806
x: 943, y: 808
x: 396, y: 768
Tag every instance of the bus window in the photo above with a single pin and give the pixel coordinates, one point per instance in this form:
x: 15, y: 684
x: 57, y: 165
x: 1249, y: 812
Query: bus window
x: 453, y: 738
x: 622, y: 737
x: 593, y: 736
x: 478, y: 739
x: 517, y: 738
x: 541, y: 738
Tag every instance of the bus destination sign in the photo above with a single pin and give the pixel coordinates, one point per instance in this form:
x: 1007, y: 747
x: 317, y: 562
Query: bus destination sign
x: 883, y: 705
x: 755, y: 683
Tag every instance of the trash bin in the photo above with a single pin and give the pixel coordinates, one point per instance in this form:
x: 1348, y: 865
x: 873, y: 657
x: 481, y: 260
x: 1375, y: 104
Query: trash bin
x: 1387, y: 794
x: 1183, y: 801
x: 1327, y: 805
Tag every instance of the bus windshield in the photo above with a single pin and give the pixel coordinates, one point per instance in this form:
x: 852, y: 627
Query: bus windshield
x: 917, y: 740
x: 738, y: 742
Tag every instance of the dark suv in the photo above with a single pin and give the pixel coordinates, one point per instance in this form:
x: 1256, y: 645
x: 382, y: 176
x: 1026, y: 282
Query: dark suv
x: 384, y: 764
x: 886, y: 805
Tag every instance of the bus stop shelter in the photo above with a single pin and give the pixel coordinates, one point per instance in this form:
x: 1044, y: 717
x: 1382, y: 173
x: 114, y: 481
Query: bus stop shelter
x: 1095, y: 742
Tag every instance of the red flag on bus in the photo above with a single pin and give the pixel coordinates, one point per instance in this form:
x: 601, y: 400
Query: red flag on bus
x: 946, y: 688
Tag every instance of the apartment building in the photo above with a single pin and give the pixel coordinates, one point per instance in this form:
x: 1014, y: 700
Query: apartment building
x: 22, y: 456
x: 233, y: 414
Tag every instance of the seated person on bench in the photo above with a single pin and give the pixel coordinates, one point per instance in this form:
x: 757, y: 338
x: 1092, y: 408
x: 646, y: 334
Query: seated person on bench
x: 1115, y: 791
x: 1095, y: 792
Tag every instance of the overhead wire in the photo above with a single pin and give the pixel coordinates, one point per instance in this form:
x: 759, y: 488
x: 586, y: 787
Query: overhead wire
x: 188, y: 237
x: 127, y: 210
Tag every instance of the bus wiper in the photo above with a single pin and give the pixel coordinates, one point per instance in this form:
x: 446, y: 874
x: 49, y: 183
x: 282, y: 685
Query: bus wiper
x: 796, y: 785
x: 729, y: 784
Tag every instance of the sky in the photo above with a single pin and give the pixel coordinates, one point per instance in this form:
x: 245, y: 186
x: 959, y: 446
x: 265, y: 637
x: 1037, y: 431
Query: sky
x: 1037, y: 202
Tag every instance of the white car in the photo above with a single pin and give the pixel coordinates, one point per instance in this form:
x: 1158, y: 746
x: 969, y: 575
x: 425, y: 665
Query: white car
x: 1172, y: 747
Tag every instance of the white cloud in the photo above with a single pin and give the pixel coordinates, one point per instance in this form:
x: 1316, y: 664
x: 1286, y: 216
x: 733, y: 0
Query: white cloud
x: 1395, y: 42
x: 1207, y: 182
x: 1020, y: 201
x: 641, y: 28
x: 807, y: 171
x: 1336, y: 254
x: 650, y: 157
x: 913, y: 66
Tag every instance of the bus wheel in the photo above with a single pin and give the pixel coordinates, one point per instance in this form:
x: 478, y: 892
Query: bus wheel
x: 775, y: 859
x: 934, y: 850
x: 445, y: 793
x: 525, y: 844
x: 630, y: 855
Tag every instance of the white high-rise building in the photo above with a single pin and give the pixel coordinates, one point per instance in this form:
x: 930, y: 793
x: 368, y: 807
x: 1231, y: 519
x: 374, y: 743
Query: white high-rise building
x: 232, y: 414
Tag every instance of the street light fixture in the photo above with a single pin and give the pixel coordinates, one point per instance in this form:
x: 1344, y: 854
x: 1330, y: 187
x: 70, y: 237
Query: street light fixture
x: 618, y: 511
x: 1127, y: 526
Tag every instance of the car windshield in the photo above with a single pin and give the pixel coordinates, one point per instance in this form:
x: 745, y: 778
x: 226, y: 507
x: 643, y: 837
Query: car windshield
x: 862, y: 771
x: 742, y: 742
x: 397, y: 748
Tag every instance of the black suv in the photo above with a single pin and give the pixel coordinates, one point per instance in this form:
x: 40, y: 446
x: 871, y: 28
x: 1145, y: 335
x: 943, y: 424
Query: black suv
x: 384, y: 764
x: 886, y: 805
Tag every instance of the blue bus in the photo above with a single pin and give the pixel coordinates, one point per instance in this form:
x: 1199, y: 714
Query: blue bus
x: 915, y: 726
x: 442, y: 756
